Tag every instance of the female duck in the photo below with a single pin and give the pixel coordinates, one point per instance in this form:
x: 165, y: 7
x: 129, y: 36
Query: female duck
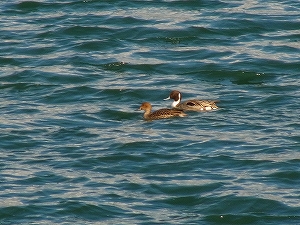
x: 191, y: 105
x: 161, y: 113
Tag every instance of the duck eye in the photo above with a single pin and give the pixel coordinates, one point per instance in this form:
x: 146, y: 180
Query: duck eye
x: 190, y: 103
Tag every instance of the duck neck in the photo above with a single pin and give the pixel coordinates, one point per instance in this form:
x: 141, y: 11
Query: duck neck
x: 176, y: 100
x: 147, y: 113
x: 176, y: 103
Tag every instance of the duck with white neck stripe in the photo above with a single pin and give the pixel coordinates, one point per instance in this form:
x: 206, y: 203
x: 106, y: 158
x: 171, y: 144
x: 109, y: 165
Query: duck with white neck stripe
x: 192, y: 104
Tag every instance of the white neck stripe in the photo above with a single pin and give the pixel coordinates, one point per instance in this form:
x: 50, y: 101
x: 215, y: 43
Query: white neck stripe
x: 175, y: 103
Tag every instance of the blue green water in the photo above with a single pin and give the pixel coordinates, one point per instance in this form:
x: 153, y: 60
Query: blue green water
x: 74, y: 150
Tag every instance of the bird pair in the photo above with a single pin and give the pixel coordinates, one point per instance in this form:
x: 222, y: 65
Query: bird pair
x: 178, y: 108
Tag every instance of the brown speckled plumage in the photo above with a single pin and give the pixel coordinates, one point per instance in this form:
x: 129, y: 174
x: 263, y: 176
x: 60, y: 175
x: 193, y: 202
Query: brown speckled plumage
x: 161, y: 113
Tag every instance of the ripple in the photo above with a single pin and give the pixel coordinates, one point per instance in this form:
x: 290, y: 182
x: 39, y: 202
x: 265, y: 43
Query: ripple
x: 75, y: 150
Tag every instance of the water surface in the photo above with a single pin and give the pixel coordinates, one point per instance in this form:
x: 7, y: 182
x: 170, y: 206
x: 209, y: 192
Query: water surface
x: 75, y: 150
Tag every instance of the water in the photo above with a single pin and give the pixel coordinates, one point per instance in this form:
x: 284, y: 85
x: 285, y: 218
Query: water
x: 75, y: 150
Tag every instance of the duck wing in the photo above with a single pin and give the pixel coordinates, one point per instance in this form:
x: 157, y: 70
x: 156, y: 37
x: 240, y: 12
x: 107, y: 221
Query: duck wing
x: 198, y: 105
x: 166, y: 113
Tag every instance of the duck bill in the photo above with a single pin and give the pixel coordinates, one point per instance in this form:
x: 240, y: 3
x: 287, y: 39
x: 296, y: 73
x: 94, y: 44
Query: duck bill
x: 167, y: 98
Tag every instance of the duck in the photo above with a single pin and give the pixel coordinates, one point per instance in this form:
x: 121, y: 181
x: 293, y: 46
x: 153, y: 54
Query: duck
x: 161, y: 113
x: 192, y: 104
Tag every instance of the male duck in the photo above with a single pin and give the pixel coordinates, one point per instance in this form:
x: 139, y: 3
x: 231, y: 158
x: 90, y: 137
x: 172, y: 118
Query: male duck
x: 161, y: 113
x: 191, y: 105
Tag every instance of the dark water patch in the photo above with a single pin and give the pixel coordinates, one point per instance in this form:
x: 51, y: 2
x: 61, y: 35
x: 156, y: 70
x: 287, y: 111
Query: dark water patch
x: 78, y: 209
x: 81, y: 132
x: 39, y: 50
x: 188, y: 191
x: 42, y: 158
x: 95, y: 46
x: 25, y: 7
x: 42, y: 178
x: 121, y: 156
x: 55, y: 33
x: 78, y: 30
x: 250, y: 219
x: 29, y: 6
x: 21, y: 77
x: 288, y: 177
x: 20, y: 112
x: 247, y: 210
x: 128, y: 21
x: 112, y: 92
x: 35, y: 78
x: 277, y: 101
x: 139, y: 147
x: 64, y: 79
x: 25, y: 89
x: 277, y: 23
x: 273, y: 66
x: 234, y: 27
x: 4, y: 61
x: 117, y: 115
x: 83, y: 116
x: 132, y: 98
x: 236, y: 162
x: 22, y: 213
x: 115, y: 66
x: 22, y: 140
x: 294, y: 161
x: 294, y: 137
x: 75, y: 161
x: 243, y: 78
x: 146, y: 36
x: 70, y: 94
x: 171, y: 166
x: 179, y: 40
x: 211, y: 73
x: 163, y: 154
x: 146, y: 69
x: 186, y: 201
x: 275, y: 49
x: 69, y: 132
x: 204, y: 32
x: 171, y: 55
x: 194, y: 4
x: 238, y: 77
x: 118, y: 157
x: 117, y: 160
